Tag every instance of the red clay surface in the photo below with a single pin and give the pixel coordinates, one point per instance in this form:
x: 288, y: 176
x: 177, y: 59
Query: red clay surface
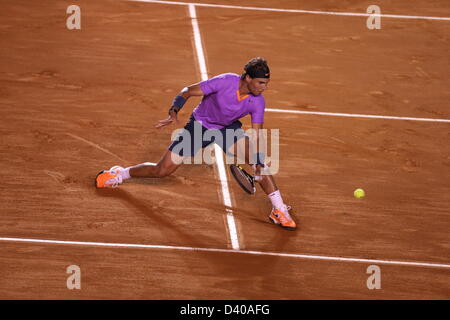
x: 75, y: 102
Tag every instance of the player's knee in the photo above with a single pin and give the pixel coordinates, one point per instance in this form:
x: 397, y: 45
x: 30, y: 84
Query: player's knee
x: 163, y: 172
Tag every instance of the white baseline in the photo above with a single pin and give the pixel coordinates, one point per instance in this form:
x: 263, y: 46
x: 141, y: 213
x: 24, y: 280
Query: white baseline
x: 259, y: 253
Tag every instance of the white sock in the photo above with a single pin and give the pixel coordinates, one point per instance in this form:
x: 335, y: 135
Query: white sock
x: 125, y: 173
x: 277, y: 201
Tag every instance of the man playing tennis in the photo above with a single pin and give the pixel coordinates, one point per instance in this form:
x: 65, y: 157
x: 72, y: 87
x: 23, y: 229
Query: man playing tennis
x: 226, y: 98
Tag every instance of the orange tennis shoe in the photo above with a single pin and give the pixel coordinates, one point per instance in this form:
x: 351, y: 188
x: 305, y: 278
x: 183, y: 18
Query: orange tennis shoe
x: 109, y: 178
x: 283, y: 218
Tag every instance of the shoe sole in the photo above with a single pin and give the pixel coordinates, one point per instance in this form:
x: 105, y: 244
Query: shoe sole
x: 95, y: 181
x: 279, y: 224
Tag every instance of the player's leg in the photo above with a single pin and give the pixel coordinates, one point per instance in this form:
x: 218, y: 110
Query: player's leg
x: 116, y: 175
x: 166, y: 166
x: 182, y: 146
x: 280, y: 211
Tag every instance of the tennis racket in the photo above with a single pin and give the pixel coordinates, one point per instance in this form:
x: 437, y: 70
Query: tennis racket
x: 243, y: 178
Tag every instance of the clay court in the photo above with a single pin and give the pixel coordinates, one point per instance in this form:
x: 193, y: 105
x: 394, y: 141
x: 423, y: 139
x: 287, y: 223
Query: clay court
x: 356, y: 108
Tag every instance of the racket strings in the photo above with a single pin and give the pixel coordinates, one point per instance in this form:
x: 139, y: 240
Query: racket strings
x: 245, y: 180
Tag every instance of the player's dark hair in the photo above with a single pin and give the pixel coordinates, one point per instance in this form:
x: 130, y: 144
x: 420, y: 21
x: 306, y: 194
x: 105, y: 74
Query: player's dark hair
x: 256, y: 68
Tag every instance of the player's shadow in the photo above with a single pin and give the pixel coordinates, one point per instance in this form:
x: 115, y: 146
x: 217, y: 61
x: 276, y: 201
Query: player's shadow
x: 254, y: 276
x: 249, y: 276
x: 156, y: 215
x: 242, y: 275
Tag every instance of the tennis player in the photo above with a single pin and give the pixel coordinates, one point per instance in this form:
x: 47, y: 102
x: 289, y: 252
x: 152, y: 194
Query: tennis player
x: 226, y: 98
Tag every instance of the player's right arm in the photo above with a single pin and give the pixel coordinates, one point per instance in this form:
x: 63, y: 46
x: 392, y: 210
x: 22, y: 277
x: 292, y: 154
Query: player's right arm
x: 179, y: 101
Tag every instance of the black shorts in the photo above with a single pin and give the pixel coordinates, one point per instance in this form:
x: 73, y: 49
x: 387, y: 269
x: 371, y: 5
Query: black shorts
x: 194, y: 137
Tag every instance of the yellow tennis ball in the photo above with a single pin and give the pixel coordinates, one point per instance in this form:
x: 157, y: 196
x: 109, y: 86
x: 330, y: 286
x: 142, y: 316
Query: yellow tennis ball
x: 359, y: 193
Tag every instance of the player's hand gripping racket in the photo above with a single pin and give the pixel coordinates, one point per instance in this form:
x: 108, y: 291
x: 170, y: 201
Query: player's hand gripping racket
x: 245, y: 180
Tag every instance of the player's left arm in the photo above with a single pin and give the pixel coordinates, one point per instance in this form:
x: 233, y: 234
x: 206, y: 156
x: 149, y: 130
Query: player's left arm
x: 179, y: 101
x: 202, y: 88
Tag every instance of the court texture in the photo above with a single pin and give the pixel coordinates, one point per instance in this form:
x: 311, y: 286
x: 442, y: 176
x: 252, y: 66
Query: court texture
x: 355, y: 108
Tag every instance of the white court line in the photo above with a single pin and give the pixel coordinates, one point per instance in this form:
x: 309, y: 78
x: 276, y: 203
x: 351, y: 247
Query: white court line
x: 259, y: 253
x: 331, y: 114
x: 351, y: 14
x: 217, y: 151
x: 103, y: 149
x: 95, y: 146
x: 198, y: 43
